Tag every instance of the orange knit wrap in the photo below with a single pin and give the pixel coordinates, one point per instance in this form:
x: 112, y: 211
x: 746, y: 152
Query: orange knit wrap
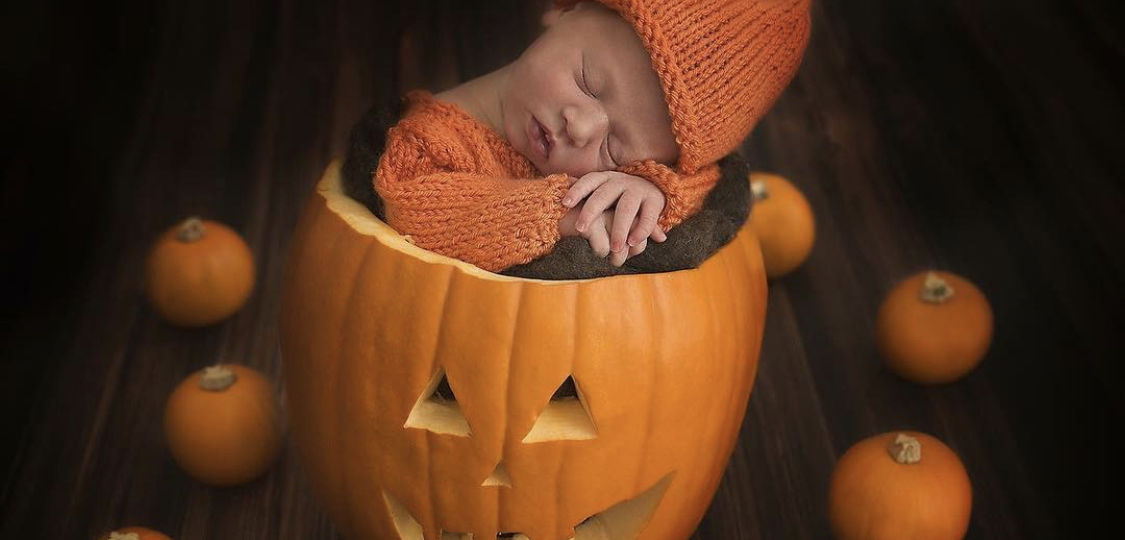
x: 452, y: 185
x: 722, y: 64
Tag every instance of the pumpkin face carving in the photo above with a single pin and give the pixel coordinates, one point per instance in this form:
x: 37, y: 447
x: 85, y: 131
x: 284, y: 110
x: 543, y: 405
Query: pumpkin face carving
x: 430, y: 399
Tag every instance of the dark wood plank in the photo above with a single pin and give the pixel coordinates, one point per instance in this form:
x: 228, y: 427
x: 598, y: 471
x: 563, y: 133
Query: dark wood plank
x: 983, y: 138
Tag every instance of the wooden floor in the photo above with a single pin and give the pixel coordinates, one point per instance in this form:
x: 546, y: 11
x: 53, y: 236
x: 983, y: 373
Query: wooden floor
x: 979, y: 137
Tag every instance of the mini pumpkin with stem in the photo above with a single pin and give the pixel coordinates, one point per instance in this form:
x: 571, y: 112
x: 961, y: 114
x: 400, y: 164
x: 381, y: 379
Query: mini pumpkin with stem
x: 134, y: 533
x: 933, y: 327
x: 222, y: 425
x: 783, y: 221
x: 899, y: 485
x: 198, y: 272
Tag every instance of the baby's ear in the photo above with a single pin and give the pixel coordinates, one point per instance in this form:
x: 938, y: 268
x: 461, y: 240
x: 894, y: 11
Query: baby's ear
x: 550, y: 16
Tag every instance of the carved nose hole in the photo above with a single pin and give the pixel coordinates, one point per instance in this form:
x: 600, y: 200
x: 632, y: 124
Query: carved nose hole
x: 499, y: 477
x: 437, y: 409
x: 566, y: 417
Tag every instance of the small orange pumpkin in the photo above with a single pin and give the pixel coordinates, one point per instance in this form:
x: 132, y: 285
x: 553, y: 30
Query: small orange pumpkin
x: 933, y: 327
x: 222, y: 425
x: 198, y: 272
x: 899, y: 485
x: 783, y: 221
x: 134, y: 533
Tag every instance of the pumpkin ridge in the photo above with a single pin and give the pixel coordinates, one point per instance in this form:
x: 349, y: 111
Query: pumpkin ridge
x: 343, y: 396
x: 653, y: 384
x: 504, y: 495
x: 717, y: 467
x: 427, y: 436
x: 564, y: 450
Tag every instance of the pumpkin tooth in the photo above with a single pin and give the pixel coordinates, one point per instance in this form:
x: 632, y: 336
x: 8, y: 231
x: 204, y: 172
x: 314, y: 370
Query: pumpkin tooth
x: 456, y: 536
x: 407, y: 527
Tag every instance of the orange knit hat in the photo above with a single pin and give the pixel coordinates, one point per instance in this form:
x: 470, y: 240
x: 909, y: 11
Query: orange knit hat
x: 722, y: 64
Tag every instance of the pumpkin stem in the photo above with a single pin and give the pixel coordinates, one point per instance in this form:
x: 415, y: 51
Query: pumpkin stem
x: 217, y: 378
x: 905, y: 449
x: 759, y: 191
x: 123, y: 536
x: 191, y: 229
x: 935, y: 290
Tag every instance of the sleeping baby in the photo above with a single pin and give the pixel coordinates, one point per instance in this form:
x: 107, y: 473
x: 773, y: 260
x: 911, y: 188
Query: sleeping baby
x: 608, y: 130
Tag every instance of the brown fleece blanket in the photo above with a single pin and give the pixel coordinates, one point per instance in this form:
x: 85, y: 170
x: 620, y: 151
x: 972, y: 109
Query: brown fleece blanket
x: 688, y: 245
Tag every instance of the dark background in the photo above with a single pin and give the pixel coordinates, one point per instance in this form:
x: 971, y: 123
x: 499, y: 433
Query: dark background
x: 980, y: 137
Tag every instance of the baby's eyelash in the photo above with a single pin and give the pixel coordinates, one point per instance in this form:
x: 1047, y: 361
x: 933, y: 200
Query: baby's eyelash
x: 585, y: 87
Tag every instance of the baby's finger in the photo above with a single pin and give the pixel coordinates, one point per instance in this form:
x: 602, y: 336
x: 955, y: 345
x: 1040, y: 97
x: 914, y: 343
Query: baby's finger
x: 637, y: 249
x: 583, y: 187
x: 598, y: 239
x: 599, y: 243
x: 597, y: 203
x: 617, y: 258
x: 646, y: 222
x: 627, y: 207
x: 658, y: 235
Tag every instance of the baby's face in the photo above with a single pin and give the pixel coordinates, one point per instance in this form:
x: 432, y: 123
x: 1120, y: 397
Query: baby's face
x: 584, y: 97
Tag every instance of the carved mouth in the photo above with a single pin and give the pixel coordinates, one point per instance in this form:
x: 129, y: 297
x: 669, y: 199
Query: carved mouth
x: 621, y: 521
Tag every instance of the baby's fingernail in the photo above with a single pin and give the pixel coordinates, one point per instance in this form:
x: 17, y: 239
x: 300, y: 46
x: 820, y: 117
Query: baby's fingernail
x: 581, y: 227
x: 632, y: 242
x: 568, y: 202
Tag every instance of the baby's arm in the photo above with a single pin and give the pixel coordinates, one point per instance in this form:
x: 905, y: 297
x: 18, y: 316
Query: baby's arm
x: 491, y: 222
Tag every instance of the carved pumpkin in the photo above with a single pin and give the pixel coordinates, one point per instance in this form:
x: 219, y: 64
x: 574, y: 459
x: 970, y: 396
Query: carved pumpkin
x: 430, y: 399
x: 902, y: 484
x: 933, y: 327
x: 783, y: 221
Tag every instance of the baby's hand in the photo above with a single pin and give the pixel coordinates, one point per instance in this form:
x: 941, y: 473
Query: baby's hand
x: 632, y: 194
x: 597, y: 234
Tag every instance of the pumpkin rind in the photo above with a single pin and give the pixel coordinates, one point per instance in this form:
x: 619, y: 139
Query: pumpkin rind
x: 225, y: 437
x: 200, y: 281
x: 784, y: 222
x: 930, y: 342
x: 664, y: 364
x: 872, y: 497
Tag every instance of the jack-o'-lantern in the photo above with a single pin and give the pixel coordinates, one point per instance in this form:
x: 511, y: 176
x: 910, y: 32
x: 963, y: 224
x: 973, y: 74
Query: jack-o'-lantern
x: 431, y: 399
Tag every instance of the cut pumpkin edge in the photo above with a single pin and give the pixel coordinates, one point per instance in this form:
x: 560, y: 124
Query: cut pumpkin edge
x: 360, y: 219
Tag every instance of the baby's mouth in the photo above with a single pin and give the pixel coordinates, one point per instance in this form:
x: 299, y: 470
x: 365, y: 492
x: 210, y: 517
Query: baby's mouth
x: 542, y: 139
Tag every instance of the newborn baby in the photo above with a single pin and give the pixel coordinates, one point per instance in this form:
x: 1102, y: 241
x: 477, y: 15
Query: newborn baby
x: 607, y: 128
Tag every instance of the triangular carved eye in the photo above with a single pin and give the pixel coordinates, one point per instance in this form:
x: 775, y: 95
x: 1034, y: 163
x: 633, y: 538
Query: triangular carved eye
x: 437, y: 409
x: 564, y: 418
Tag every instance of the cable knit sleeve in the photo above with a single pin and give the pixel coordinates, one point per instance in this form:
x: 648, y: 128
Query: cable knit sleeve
x: 478, y: 218
x: 683, y: 194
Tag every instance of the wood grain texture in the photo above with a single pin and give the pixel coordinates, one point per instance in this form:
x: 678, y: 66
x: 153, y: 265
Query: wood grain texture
x: 979, y: 137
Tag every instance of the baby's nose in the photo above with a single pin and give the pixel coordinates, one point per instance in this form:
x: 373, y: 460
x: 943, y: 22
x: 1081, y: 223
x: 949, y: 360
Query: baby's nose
x: 585, y: 125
